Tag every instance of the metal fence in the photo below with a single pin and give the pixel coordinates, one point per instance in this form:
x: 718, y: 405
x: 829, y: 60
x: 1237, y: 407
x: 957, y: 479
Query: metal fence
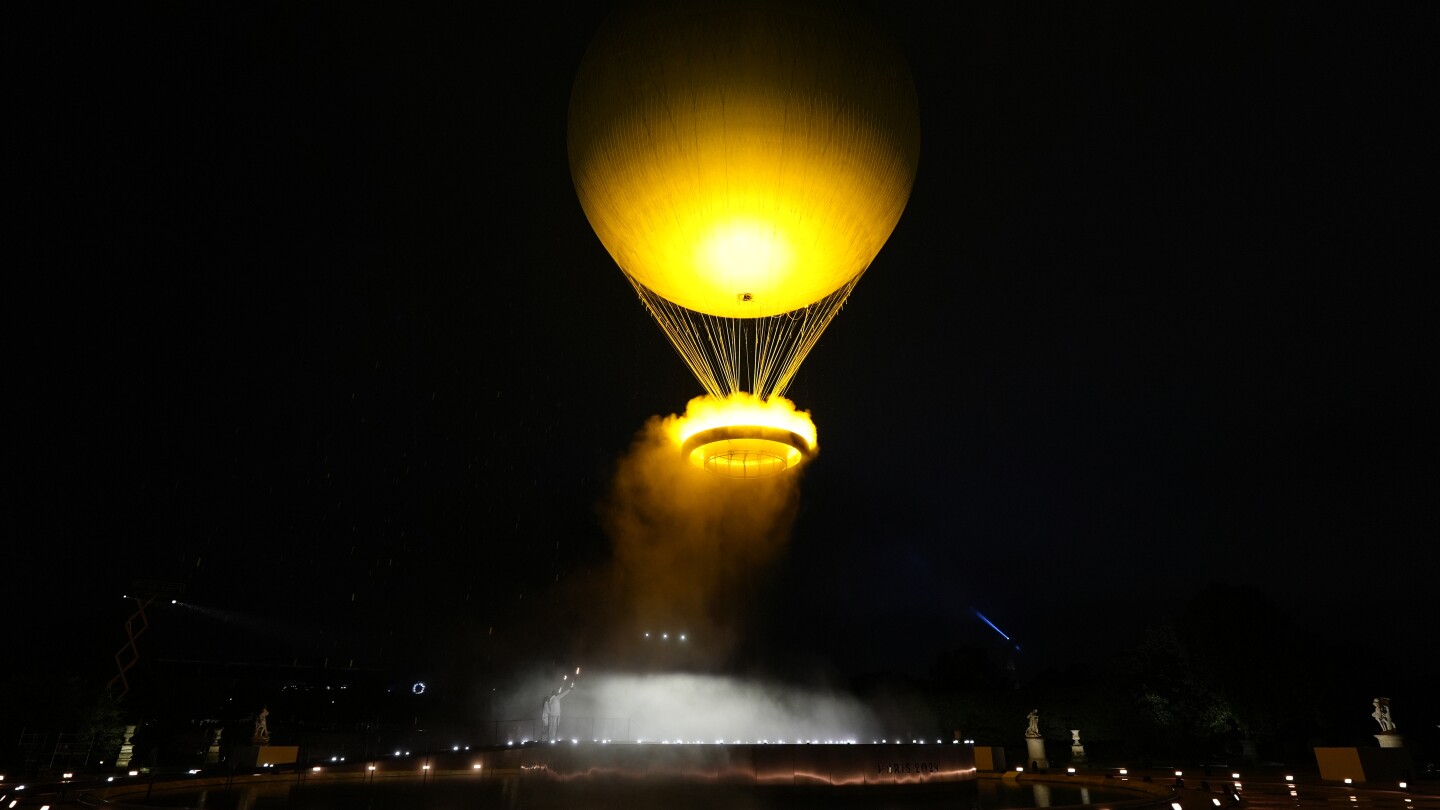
x: 572, y: 727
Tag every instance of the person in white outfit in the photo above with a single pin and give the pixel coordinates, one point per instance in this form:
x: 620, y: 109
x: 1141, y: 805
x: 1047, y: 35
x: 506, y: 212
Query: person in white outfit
x: 550, y: 715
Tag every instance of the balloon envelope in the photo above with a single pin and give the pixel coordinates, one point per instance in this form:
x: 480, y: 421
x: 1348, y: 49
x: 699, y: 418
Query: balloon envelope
x: 743, y: 159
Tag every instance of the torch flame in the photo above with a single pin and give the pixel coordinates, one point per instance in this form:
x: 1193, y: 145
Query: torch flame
x: 741, y: 408
x: 742, y: 435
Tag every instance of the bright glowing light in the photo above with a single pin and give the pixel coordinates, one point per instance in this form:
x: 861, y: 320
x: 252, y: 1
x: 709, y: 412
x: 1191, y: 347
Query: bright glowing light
x: 1179, y: 773
x: 992, y: 625
x: 475, y: 767
x: 1234, y: 776
x: 69, y: 775
x: 1347, y: 780
x: 133, y: 773
x: 1215, y: 802
x: 786, y: 201
x: 1069, y: 770
x: 1019, y: 769
x: 1176, y: 806
x: 763, y: 184
x: 1403, y: 785
x: 742, y: 436
x: 315, y: 769
x: 1289, y: 778
x: 424, y: 767
x: 370, y: 767
x: 1123, y: 771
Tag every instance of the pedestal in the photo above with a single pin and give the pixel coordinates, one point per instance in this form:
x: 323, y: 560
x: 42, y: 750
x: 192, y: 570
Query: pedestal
x: 989, y: 758
x: 1035, y: 752
x: 1360, y: 765
x: 127, y: 749
x: 1390, y: 739
x: 1077, y: 754
x: 259, y: 756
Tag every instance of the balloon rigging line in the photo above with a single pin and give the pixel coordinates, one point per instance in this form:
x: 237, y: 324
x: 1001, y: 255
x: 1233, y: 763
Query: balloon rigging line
x: 728, y: 354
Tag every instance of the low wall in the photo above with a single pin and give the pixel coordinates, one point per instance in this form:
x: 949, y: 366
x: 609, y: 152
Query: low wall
x: 753, y: 764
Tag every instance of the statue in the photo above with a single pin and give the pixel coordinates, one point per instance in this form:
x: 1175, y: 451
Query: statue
x: 1074, y: 736
x: 1382, y: 715
x: 262, y: 729
x: 1035, y: 743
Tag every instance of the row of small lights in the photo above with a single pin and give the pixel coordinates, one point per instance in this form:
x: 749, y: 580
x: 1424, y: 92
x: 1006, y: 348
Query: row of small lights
x: 1289, y: 778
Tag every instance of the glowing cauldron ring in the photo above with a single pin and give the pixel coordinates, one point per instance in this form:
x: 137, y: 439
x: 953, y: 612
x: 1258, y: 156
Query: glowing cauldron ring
x: 746, y: 451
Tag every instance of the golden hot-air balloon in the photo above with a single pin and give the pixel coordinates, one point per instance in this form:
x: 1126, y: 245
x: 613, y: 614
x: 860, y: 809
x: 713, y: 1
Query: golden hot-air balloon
x: 743, y: 163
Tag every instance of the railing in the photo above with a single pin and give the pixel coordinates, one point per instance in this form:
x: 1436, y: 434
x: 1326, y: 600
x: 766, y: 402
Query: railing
x: 572, y: 727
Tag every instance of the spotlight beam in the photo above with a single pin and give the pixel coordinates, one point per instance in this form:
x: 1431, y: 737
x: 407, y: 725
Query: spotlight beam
x: 992, y: 625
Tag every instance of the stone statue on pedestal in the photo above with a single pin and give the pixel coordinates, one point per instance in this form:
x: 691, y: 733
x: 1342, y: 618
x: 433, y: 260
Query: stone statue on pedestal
x: 1382, y: 714
x: 1388, y: 736
x: 1035, y: 743
x: 262, y: 729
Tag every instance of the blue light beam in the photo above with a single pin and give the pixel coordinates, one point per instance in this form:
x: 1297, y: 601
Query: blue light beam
x: 992, y: 625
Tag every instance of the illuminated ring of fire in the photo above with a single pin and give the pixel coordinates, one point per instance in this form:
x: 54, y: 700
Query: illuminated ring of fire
x: 746, y: 451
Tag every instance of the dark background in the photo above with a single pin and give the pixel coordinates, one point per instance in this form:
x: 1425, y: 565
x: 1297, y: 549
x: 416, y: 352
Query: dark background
x: 304, y: 316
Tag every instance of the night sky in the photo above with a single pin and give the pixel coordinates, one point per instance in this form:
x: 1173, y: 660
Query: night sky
x: 304, y: 315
